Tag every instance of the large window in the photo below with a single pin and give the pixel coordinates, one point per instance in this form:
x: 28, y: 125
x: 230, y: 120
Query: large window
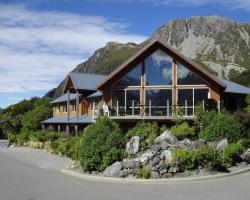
x: 187, y: 77
x: 200, y: 95
x: 133, y: 102
x: 159, y: 102
x: 132, y: 78
x: 158, y: 67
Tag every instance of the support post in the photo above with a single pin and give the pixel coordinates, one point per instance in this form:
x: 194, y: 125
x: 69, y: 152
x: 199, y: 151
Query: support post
x: 58, y: 128
x: 219, y: 106
x: 67, y: 129
x: 117, y: 108
x: 43, y: 127
x: 93, y: 110
x: 168, y: 108
x: 185, y: 107
x: 77, y: 105
x: 76, y: 130
x: 68, y: 104
x: 133, y: 108
x: 150, y: 108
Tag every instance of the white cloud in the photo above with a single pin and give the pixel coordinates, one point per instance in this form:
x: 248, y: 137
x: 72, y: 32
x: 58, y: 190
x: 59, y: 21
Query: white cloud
x: 229, y: 4
x: 37, y: 49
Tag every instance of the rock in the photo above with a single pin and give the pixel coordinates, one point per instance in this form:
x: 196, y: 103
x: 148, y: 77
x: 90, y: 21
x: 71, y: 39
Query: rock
x: 128, y: 164
x: 146, y: 156
x: 246, y: 156
x: 197, y: 144
x: 113, y: 170
x: 155, y: 161
x: 163, y: 171
x: 169, y: 159
x: 167, y: 175
x: 156, y: 147
x: 222, y: 144
x: 166, y: 137
x: 165, y: 153
x: 125, y: 172
x: 173, y: 169
x: 154, y: 175
x: 186, y: 144
x: 132, y: 147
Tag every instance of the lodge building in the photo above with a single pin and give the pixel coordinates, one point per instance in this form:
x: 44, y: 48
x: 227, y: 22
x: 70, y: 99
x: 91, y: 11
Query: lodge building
x: 152, y: 85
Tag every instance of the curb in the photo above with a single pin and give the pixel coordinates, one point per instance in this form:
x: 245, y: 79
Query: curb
x: 153, y: 181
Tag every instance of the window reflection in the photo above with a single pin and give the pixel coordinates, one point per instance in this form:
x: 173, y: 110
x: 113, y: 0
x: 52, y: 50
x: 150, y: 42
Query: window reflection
x: 132, y: 78
x: 159, y: 102
x: 158, y: 67
x: 187, y: 77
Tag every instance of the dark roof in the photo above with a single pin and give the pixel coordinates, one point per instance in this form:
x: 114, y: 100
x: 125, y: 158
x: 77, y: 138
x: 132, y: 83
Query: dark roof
x: 152, y: 45
x: 84, y: 119
x: 96, y: 94
x: 64, y: 98
x: 83, y: 81
x: 232, y: 87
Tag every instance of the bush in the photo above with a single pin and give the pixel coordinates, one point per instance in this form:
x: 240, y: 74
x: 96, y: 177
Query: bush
x: 144, y: 172
x: 69, y: 147
x: 183, y: 131
x: 111, y: 156
x: 97, y: 140
x: 232, y: 153
x: 22, y: 138
x: 223, y: 125
x: 244, y: 119
x: 43, y: 136
x: 245, y: 143
x: 147, y: 132
x: 207, y: 156
x: 12, y: 138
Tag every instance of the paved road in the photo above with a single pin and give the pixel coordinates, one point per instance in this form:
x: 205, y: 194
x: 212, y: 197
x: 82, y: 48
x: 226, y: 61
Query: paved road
x: 20, y: 180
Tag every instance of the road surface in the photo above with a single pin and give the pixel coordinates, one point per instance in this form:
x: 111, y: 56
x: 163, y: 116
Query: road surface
x: 23, y: 180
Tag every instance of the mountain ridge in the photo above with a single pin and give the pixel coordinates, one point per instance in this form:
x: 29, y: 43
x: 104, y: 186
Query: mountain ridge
x: 218, y: 44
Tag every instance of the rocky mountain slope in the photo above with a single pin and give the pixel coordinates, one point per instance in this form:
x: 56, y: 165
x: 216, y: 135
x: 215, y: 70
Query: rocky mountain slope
x: 218, y: 44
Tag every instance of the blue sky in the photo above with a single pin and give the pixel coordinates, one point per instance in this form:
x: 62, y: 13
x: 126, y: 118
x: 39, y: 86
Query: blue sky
x: 42, y: 40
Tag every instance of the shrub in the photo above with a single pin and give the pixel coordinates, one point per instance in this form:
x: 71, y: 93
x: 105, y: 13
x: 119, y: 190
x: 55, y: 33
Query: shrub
x: 244, y: 119
x: 232, y: 153
x: 12, y: 138
x: 183, y: 131
x: 22, y: 138
x: 97, y: 140
x: 69, y: 147
x: 144, y: 172
x: 186, y: 159
x: 245, y: 143
x: 111, y: 156
x: 207, y: 156
x: 147, y: 132
x: 43, y: 136
x: 223, y: 125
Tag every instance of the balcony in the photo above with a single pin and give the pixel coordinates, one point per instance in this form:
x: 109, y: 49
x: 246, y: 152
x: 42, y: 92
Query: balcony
x: 146, y: 112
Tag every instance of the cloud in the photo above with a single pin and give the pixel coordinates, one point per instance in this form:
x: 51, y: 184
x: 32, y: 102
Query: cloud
x: 38, y: 49
x: 229, y: 4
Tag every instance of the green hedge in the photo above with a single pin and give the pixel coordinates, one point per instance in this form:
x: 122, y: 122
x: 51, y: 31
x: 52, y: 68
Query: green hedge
x: 223, y: 125
x: 101, y: 144
x: 183, y: 131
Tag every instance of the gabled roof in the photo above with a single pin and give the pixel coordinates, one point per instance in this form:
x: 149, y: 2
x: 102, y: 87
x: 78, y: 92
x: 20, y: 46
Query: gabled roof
x: 147, y: 50
x: 64, y: 98
x: 232, y: 87
x: 83, y: 81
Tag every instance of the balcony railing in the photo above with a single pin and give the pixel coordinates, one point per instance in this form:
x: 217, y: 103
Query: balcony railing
x: 144, y: 111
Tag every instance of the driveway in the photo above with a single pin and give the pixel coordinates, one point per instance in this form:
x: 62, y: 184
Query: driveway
x: 21, y: 179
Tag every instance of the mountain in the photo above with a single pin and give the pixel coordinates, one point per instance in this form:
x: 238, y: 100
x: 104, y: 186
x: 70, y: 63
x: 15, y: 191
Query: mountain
x: 218, y: 44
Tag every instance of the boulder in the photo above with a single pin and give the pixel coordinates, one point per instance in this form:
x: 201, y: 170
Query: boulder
x: 167, y: 175
x: 166, y: 137
x: 186, y: 144
x: 113, y: 170
x: 165, y: 153
x: 125, y: 172
x: 132, y: 147
x: 128, y: 164
x: 154, y: 175
x: 246, y: 156
x: 155, y: 161
x: 197, y: 144
x: 146, y: 156
x: 222, y: 144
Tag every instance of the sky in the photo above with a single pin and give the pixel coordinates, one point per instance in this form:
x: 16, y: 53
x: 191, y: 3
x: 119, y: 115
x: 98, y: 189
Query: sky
x: 41, y: 41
